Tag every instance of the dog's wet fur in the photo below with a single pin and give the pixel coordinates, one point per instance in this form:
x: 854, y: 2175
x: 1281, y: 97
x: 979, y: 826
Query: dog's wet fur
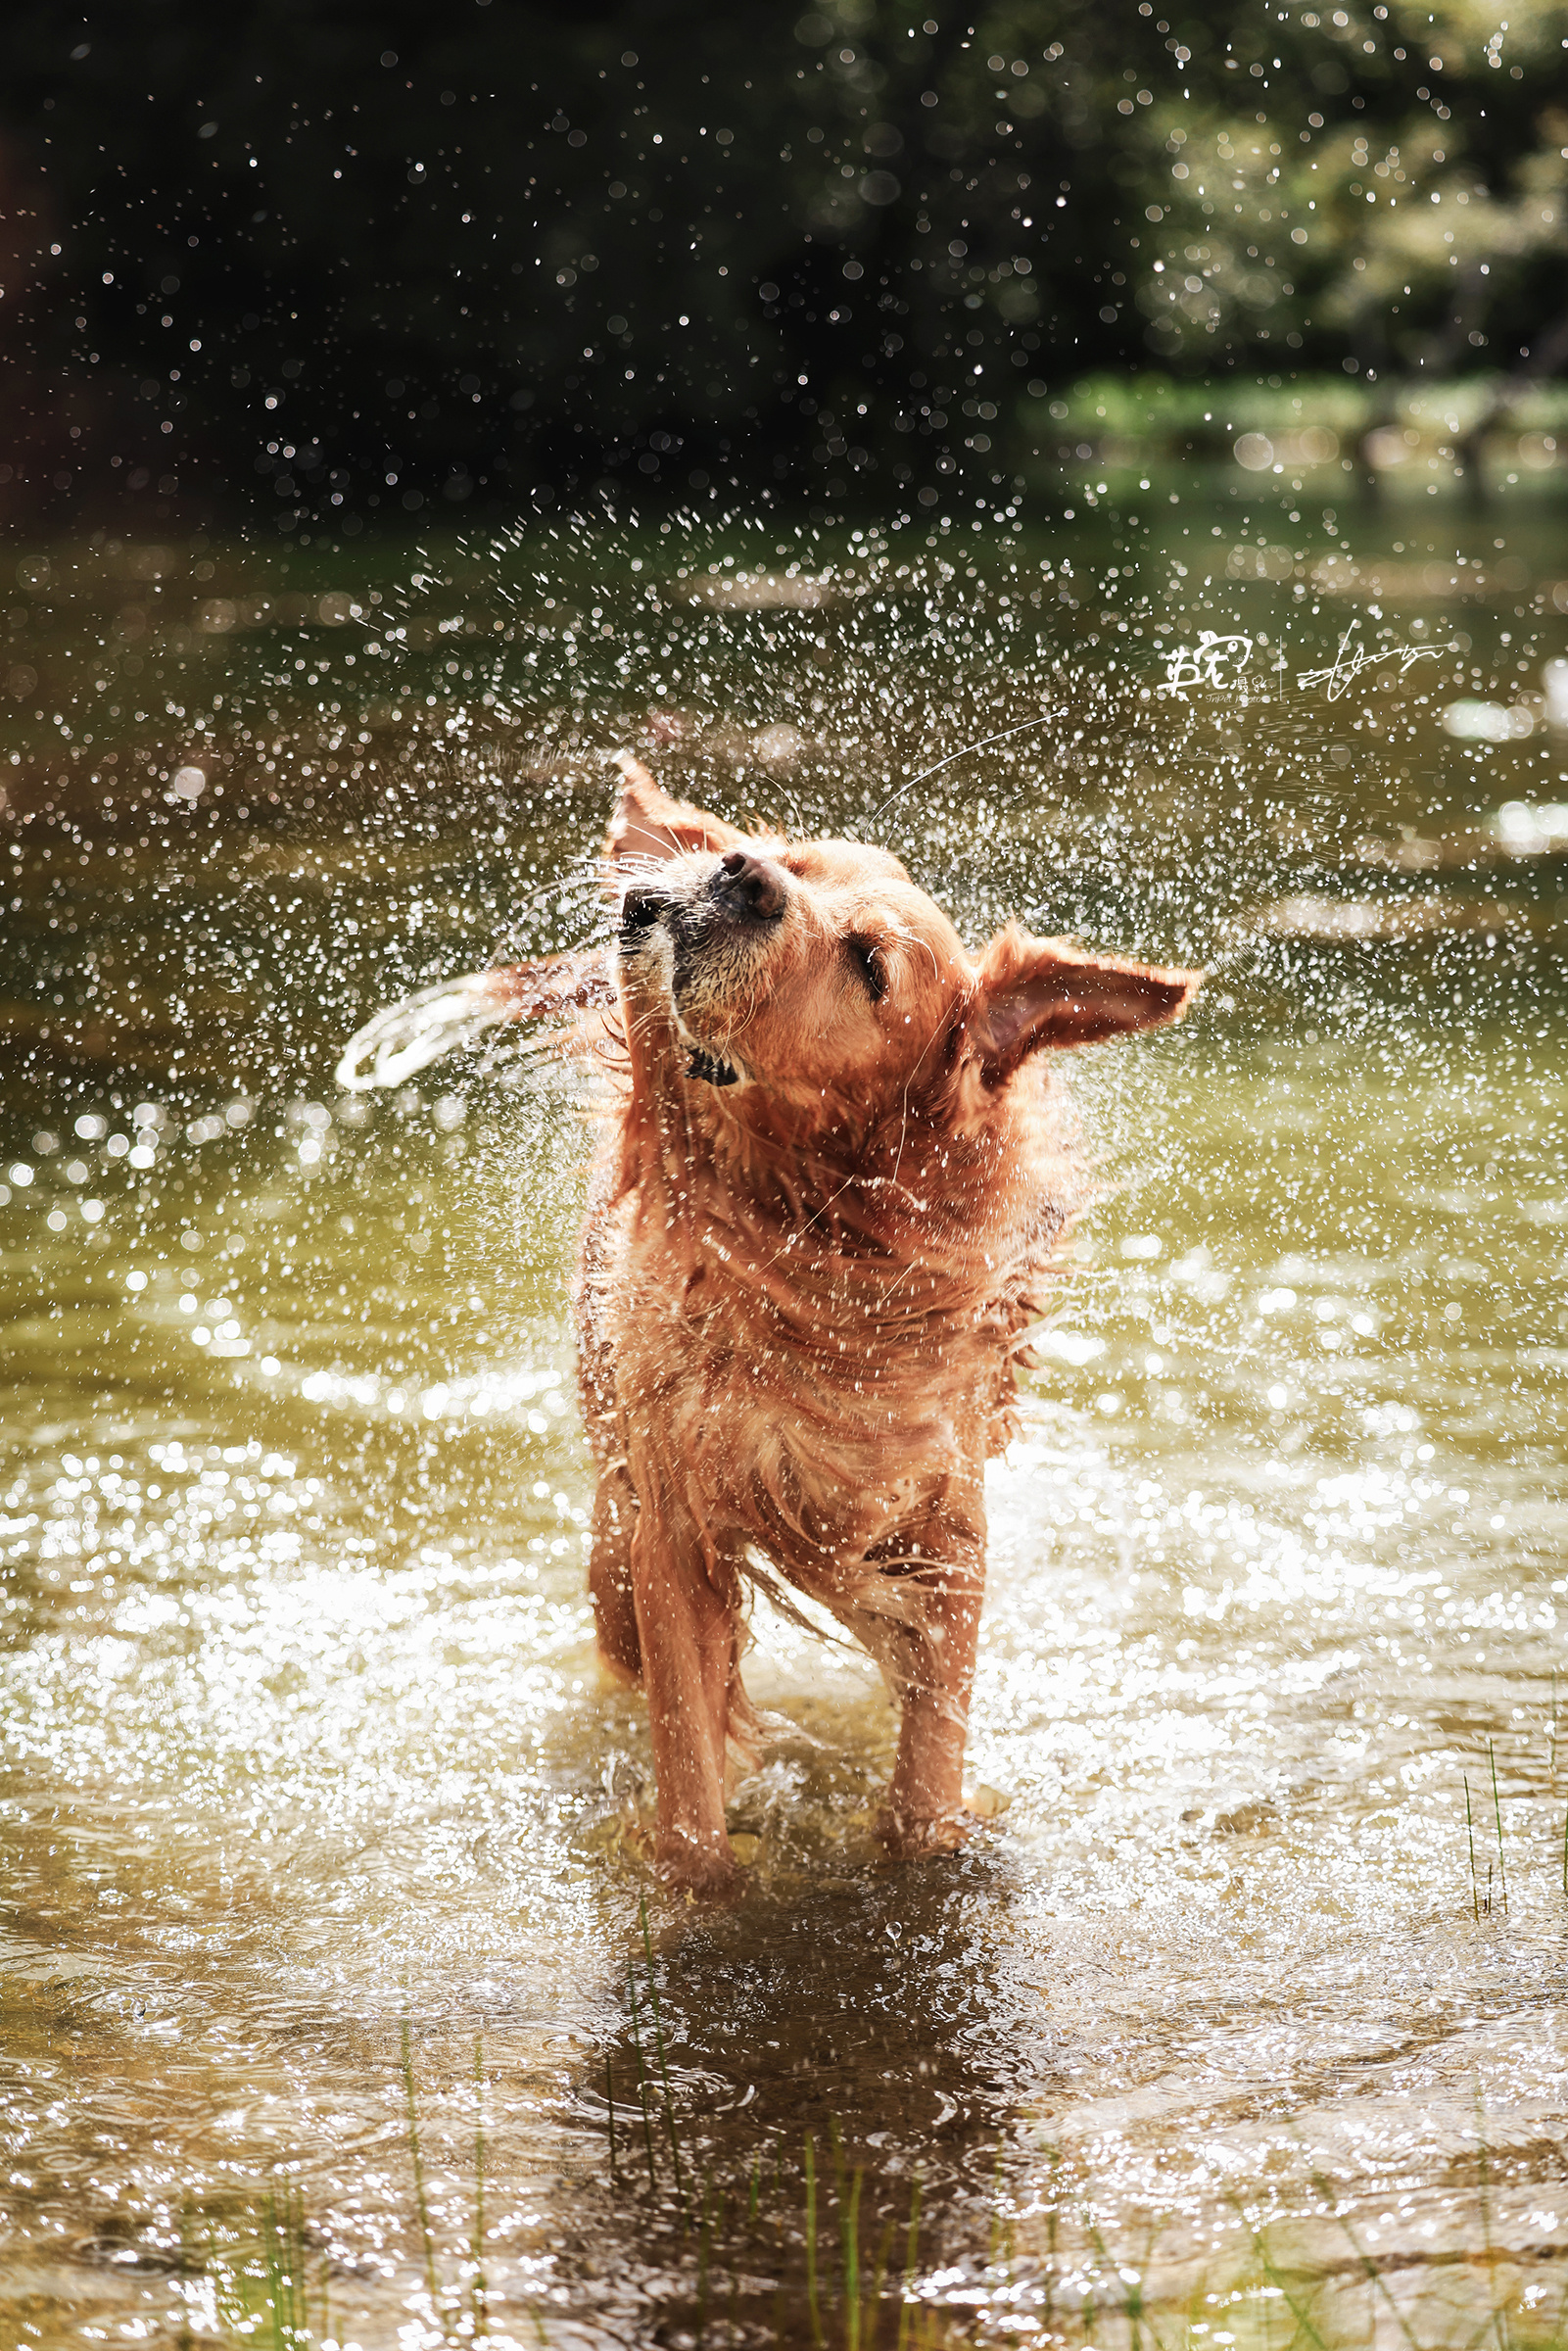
x: 830, y: 1196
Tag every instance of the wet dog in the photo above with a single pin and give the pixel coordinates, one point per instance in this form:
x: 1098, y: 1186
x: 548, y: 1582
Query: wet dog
x: 829, y: 1198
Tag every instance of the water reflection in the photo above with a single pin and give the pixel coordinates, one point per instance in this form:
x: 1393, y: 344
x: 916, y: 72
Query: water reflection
x: 855, y: 2025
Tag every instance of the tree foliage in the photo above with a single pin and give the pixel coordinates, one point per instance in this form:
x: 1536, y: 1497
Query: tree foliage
x: 503, y: 246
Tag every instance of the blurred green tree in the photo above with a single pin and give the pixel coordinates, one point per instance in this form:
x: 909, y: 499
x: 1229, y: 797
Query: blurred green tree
x: 338, y: 255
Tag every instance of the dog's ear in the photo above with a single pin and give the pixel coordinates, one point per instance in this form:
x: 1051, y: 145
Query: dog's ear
x: 1036, y: 993
x: 647, y: 824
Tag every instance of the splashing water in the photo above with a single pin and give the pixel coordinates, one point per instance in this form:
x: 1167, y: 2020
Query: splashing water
x: 329, y: 2006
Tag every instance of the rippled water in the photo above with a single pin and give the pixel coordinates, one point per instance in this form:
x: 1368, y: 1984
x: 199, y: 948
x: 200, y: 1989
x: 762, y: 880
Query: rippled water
x: 323, y: 1941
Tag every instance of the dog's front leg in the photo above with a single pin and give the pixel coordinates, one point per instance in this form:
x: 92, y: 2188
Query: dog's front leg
x: 686, y: 1632
x: 924, y: 1810
x: 609, y: 1578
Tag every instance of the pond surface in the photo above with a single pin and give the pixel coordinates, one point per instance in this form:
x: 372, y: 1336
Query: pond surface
x: 339, y: 2005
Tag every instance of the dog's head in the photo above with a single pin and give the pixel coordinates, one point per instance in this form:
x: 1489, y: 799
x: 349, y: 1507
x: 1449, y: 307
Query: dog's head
x: 818, y: 971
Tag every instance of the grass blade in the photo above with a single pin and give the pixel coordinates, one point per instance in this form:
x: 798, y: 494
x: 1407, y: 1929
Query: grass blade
x: 849, y: 2234
x: 811, y: 2241
x: 879, y: 2278
x: 1497, y: 1805
x: 187, y: 2341
x: 432, y: 2279
x: 704, y: 2254
x: 664, y: 2071
x: 481, y: 2292
x: 1305, y: 2329
x: 641, y: 2072
x: 1552, y: 1745
x: 911, y: 2256
x: 1469, y: 1830
x: 1369, y: 2267
x: 1499, y: 2323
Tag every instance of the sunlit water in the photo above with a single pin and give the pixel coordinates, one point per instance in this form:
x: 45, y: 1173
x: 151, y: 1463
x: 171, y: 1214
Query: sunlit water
x: 312, y: 1809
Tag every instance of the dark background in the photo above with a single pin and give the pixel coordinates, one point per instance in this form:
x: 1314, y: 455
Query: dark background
x: 341, y: 260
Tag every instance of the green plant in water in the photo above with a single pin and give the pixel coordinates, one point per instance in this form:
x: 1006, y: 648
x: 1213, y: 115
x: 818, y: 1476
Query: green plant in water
x: 642, y: 2073
x: 432, y: 2280
x: 1552, y: 1742
x: 849, y: 2232
x: 481, y: 2296
x: 1000, y: 2252
x: 811, y: 2242
x: 1497, y: 1806
x: 911, y: 2260
x: 879, y: 2278
x: 272, y: 2308
x: 1484, y: 2198
x: 1287, y: 2287
x: 283, y: 2221
x: 186, y: 2270
x: 445, y: 2305
x: 664, y: 2071
x: 704, y: 2255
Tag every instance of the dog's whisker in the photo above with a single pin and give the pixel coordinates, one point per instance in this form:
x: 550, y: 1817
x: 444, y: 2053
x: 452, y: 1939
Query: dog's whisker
x: 985, y: 743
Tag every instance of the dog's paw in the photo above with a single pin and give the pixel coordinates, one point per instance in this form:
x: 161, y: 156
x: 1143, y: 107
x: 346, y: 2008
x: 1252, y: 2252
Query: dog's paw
x: 909, y: 1834
x: 700, y: 1872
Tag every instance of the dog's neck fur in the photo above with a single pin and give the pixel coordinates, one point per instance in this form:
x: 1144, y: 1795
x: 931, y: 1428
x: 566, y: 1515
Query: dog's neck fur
x: 849, y: 1223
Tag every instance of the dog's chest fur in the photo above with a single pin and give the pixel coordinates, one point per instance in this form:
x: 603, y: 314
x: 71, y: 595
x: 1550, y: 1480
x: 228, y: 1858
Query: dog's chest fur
x: 821, y: 1361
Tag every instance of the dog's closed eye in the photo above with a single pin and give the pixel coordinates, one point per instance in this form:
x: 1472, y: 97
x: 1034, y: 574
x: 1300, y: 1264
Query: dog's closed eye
x: 865, y: 956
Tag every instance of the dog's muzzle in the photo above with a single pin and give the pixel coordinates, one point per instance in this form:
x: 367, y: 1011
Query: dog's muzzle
x: 641, y: 909
x: 695, y: 923
x: 745, y: 892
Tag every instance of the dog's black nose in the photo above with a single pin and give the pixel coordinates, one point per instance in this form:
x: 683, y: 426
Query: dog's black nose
x: 641, y: 908
x: 749, y: 887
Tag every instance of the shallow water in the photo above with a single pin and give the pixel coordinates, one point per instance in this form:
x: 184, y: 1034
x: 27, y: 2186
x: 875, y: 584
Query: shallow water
x: 314, y: 1818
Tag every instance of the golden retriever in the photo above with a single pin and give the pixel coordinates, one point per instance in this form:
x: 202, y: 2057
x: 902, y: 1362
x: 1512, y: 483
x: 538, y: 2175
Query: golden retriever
x: 828, y: 1203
